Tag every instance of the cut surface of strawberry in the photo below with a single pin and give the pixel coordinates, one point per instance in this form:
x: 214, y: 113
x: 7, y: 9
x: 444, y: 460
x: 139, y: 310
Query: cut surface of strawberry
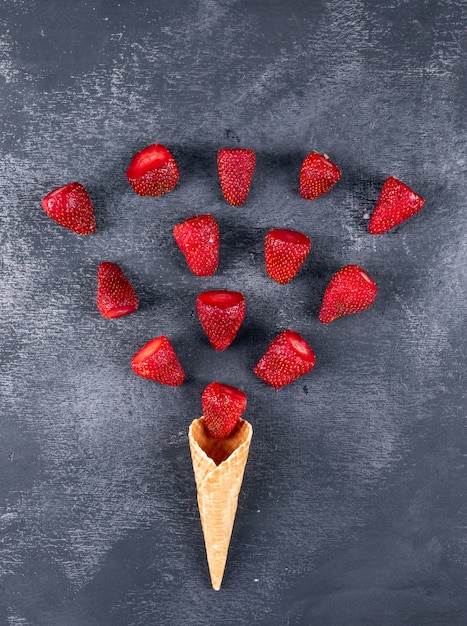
x: 350, y: 291
x: 221, y: 314
x: 317, y: 176
x: 153, y: 171
x: 71, y: 207
x: 396, y: 203
x: 151, y: 158
x: 287, y: 358
x: 285, y: 252
x: 235, y: 167
x: 158, y: 361
x: 198, y: 238
x: 115, y: 294
x: 222, y: 407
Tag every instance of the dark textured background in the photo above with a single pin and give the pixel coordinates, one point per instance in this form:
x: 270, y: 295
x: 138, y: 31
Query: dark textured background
x: 353, y: 506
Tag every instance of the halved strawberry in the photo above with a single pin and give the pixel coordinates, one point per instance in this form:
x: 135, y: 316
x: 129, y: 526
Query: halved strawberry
x: 350, y: 290
x: 396, y: 203
x: 287, y: 357
x: 222, y: 408
x: 236, y: 167
x: 221, y: 314
x: 157, y: 361
x: 153, y: 171
x: 285, y: 252
x: 198, y: 239
x: 115, y: 294
x: 71, y: 207
x: 317, y: 176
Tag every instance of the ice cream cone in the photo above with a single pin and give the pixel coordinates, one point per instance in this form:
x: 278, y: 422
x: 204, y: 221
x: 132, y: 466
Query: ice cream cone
x: 218, y: 465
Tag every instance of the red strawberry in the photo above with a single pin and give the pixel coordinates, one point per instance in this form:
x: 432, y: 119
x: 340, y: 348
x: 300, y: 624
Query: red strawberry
x: 236, y: 167
x: 350, y: 290
x: 396, y: 203
x: 115, y: 295
x: 157, y: 361
x: 153, y: 171
x: 221, y: 314
x: 288, y: 357
x: 71, y: 207
x: 222, y: 407
x: 198, y: 239
x: 285, y: 252
x: 318, y: 175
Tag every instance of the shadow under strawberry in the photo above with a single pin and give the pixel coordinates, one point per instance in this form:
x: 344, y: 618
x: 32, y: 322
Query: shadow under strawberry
x: 363, y: 187
x: 283, y: 168
x: 254, y: 336
x: 149, y: 296
x: 196, y: 162
x: 238, y: 243
x: 324, y: 262
x: 106, y: 197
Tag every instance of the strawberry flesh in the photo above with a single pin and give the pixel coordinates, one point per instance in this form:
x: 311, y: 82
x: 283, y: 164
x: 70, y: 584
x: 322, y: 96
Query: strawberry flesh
x: 236, y: 167
x: 198, y: 239
x: 158, y: 361
x: 350, y: 291
x: 151, y: 158
x: 396, y: 203
x: 153, y: 171
x: 222, y: 406
x: 71, y: 207
x: 221, y: 314
x: 287, y: 358
x: 285, y: 252
x: 115, y: 294
x: 317, y: 176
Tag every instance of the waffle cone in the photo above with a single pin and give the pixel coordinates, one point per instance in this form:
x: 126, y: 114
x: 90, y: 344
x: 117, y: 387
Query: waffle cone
x: 218, y: 465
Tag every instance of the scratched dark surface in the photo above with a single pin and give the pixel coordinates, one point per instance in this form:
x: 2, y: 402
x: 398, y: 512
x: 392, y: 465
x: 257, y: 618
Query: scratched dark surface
x: 353, y: 508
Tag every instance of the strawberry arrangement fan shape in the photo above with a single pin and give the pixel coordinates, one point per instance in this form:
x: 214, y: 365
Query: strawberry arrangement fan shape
x: 219, y: 441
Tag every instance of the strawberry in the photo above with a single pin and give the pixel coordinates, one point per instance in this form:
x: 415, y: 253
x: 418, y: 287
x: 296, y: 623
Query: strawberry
x: 157, y: 361
x: 221, y: 314
x: 236, y: 167
x: 396, y: 203
x: 285, y: 252
x: 222, y: 407
x: 115, y: 295
x: 153, y: 171
x: 198, y: 239
x: 71, y: 207
x: 288, y: 357
x: 318, y: 175
x: 350, y: 290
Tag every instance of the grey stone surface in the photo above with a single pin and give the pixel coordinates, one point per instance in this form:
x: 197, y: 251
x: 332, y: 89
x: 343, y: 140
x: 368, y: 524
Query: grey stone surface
x: 353, y: 506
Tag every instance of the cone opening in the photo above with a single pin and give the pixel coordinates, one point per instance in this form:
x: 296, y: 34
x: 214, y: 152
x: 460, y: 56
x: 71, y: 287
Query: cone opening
x: 219, y: 449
